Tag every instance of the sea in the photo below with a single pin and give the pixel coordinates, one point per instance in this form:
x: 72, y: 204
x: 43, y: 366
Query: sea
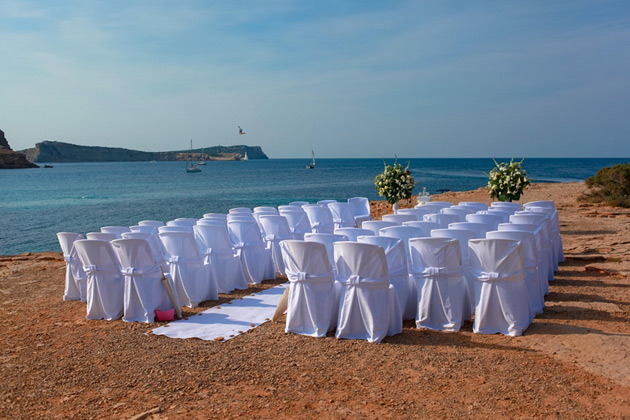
x: 35, y: 204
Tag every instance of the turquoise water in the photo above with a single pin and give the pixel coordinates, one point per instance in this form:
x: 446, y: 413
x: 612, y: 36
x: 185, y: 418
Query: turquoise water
x: 82, y: 197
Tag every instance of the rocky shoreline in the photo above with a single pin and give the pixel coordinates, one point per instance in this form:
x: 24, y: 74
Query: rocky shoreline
x: 572, y: 362
x: 10, y: 159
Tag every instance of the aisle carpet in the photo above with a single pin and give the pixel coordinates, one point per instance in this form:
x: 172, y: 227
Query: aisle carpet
x: 228, y: 320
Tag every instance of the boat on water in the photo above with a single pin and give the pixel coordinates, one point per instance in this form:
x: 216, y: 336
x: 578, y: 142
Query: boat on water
x: 245, y: 157
x: 203, y: 159
x: 191, y: 167
x: 48, y: 166
x: 312, y: 164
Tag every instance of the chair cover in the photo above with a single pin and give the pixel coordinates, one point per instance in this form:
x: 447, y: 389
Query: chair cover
x: 177, y: 228
x: 227, y: 270
x: 418, y: 212
x: 353, y: 233
x: 400, y: 218
x: 105, y: 284
x: 265, y: 209
x: 506, y: 204
x: 288, y: 207
x: 532, y: 273
x: 313, y: 300
x: 116, y: 230
x: 144, y: 291
x: 474, y: 204
x: 154, y: 223
x: 368, y: 304
x: 276, y: 229
x: 241, y: 210
x: 376, y: 225
x: 442, y: 297
x: 360, y: 209
x: 100, y: 236
x: 328, y: 239
x: 143, y: 229
x: 190, y: 220
x: 320, y: 218
x: 480, y: 229
x: 182, y: 223
x: 404, y: 233
x: 501, y: 298
x: 492, y: 220
x: 76, y: 281
x: 298, y: 222
x: 220, y: 216
x: 441, y: 219
x: 504, y: 214
x: 154, y: 242
x: 426, y: 227
x: 538, y: 237
x: 556, y: 238
x: 342, y: 214
x: 255, y: 257
x: 541, y: 220
x: 398, y: 271
x: 212, y: 221
x: 325, y: 203
x: 299, y: 203
x: 541, y: 203
x: 193, y: 279
x: 430, y: 208
x: 459, y: 212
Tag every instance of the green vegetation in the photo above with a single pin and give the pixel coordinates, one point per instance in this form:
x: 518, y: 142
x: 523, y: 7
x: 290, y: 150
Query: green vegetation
x: 610, y: 185
x: 395, y: 182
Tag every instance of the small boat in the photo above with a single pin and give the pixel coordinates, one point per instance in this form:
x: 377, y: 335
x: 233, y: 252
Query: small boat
x: 245, y: 157
x: 203, y: 159
x: 48, y: 166
x: 312, y: 164
x: 191, y: 167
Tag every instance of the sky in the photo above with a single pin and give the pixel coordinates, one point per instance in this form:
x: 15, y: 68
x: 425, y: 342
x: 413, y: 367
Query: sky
x: 356, y: 78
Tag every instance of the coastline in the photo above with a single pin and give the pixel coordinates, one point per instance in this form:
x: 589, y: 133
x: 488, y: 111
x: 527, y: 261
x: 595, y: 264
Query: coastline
x: 571, y: 362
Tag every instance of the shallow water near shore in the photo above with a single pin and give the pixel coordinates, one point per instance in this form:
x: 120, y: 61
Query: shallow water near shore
x: 82, y: 197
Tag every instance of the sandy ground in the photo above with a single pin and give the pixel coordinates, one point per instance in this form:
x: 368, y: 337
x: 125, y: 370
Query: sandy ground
x: 571, y: 363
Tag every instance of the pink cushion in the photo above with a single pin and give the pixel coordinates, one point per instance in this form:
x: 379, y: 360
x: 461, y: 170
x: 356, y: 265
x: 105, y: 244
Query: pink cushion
x: 165, y: 315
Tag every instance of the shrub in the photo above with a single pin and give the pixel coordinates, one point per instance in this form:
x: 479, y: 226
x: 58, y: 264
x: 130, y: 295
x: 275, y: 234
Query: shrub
x: 507, y: 181
x: 394, y: 183
x: 610, y: 185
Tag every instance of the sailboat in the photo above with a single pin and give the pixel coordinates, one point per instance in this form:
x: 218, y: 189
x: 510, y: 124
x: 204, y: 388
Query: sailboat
x: 312, y: 164
x: 203, y: 159
x: 191, y: 167
x: 245, y: 157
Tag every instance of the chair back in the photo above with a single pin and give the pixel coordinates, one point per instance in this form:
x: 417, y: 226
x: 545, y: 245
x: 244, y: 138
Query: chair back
x: 135, y: 253
x: 214, y: 237
x: 240, y: 210
x: 474, y: 204
x: 504, y: 213
x: 426, y: 227
x: 441, y: 254
x: 459, y: 212
x: 298, y: 222
x: 299, y: 203
x: 492, y: 220
x: 394, y: 252
x: 365, y: 261
x: 325, y: 203
x: 116, y: 230
x: 266, y: 210
x: 480, y: 229
x: 320, y: 218
x: 328, y: 239
x: 100, y: 236
x: 275, y: 227
x: 418, y: 212
x: 375, y: 225
x: 245, y: 233
x: 541, y: 203
x: 462, y: 236
x: 97, y: 255
x: 66, y: 241
x: 441, y: 219
x: 430, y: 207
x: 527, y: 239
x: 154, y: 223
x: 212, y: 222
x: 182, y: 222
x: 353, y: 233
x: 180, y: 245
x: 404, y: 233
x: 218, y: 216
x: 505, y: 205
x: 305, y: 257
x: 496, y: 259
x: 144, y: 229
x: 360, y: 206
x: 181, y: 228
x: 400, y: 218
x: 342, y: 214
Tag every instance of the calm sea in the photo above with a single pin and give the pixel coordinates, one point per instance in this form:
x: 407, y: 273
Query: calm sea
x: 81, y: 197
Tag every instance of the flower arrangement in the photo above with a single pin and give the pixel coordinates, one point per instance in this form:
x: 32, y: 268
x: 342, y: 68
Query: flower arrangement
x: 507, y: 181
x: 395, y: 182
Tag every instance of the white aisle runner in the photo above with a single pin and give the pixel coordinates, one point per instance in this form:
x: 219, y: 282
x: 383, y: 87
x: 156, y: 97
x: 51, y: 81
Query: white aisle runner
x: 227, y: 320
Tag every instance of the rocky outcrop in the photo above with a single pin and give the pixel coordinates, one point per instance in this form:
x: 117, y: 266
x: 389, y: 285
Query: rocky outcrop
x: 54, y: 151
x: 10, y: 159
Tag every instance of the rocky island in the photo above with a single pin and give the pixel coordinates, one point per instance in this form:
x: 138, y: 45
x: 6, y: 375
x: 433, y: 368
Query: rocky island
x: 54, y: 151
x: 10, y: 159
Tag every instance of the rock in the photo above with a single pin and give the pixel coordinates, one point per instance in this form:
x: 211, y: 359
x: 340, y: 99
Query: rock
x: 10, y: 159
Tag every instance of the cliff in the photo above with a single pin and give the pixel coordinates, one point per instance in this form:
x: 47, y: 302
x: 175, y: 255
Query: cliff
x: 10, y: 159
x: 54, y: 151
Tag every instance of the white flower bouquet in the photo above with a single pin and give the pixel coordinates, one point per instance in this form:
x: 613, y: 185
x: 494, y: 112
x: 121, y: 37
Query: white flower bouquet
x: 507, y: 181
x: 395, y: 182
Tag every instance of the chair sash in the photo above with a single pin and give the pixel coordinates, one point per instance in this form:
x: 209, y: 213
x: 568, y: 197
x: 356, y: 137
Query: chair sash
x: 133, y: 271
x: 302, y: 277
x: 93, y: 269
x: 493, y: 276
x: 439, y: 272
x: 368, y: 282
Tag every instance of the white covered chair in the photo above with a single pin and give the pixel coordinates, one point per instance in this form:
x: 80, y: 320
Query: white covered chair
x: 100, y: 236
x: 460, y: 212
x: 480, y: 229
x: 212, y: 221
x: 240, y: 210
x: 265, y: 210
x: 506, y: 204
x: 556, y: 238
x: 144, y: 291
x: 342, y: 214
x: 492, y: 220
x: 299, y: 203
x: 154, y: 242
x: 175, y: 228
x: 532, y: 273
x: 313, y: 299
x: 504, y: 214
x: 298, y: 222
x: 474, y: 204
x: 227, y: 269
x: 398, y: 271
x: 255, y: 257
x: 275, y: 229
x: 404, y: 233
x: 360, y: 209
x: 75, y: 285
x: 541, y: 220
x: 353, y: 233
x: 325, y: 203
x: 183, y: 223
x: 154, y: 223
x: 441, y: 219
x: 399, y: 218
x: 143, y: 229
x: 376, y: 225
x: 116, y: 230
x: 193, y: 279
x: 442, y: 302
x: 328, y: 239
x: 426, y: 227
x: 368, y: 304
x: 105, y: 283
x: 418, y: 212
x: 320, y: 218
x: 501, y: 297
x: 219, y: 216
x: 430, y: 208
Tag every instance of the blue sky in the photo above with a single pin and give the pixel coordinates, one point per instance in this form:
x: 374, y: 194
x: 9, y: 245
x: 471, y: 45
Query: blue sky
x: 346, y: 78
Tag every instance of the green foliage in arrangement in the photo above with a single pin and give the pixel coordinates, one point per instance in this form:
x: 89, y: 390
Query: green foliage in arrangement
x: 395, y: 182
x: 610, y: 185
x: 507, y: 181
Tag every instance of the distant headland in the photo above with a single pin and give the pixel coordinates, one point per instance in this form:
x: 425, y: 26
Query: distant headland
x: 54, y: 151
x: 10, y: 159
